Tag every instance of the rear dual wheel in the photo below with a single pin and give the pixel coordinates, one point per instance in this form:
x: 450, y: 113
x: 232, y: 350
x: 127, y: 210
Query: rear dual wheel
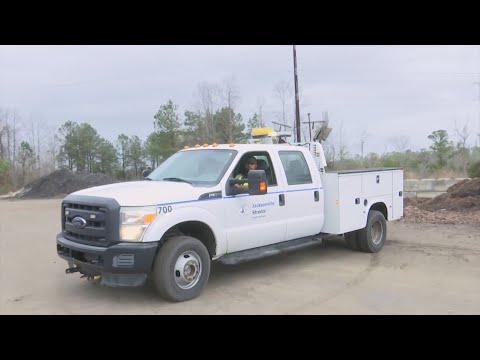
x: 371, y: 238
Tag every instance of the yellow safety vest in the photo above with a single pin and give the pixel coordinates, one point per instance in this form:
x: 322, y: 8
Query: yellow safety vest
x: 241, y: 177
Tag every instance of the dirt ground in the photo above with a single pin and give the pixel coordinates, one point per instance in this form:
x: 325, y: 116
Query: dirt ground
x: 415, y: 215
x: 423, y: 269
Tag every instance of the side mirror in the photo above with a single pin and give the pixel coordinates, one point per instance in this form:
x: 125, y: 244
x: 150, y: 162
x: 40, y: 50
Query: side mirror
x: 146, y: 172
x: 257, y: 182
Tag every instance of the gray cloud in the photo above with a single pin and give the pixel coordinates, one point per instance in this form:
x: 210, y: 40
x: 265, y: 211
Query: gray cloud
x: 387, y: 90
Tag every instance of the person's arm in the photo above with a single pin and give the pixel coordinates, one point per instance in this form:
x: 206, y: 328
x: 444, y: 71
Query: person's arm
x: 243, y: 186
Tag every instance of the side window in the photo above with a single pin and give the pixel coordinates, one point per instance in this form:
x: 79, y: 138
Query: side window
x: 263, y: 163
x: 296, y: 167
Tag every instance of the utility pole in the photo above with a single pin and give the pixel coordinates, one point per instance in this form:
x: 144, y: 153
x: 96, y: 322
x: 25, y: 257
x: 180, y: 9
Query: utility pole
x: 478, y: 99
x: 309, y: 129
x: 297, y: 99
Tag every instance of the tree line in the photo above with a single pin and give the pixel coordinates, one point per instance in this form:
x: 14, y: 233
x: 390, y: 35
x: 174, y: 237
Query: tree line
x: 31, y: 150
x: 28, y: 150
x: 443, y: 158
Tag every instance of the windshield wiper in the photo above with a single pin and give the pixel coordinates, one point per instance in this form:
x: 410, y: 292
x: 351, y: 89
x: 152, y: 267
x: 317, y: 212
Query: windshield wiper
x: 177, y: 179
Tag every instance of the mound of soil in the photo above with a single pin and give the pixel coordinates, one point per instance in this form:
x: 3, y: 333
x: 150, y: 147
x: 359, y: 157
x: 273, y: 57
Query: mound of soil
x: 459, y: 205
x: 63, y: 182
x: 463, y: 196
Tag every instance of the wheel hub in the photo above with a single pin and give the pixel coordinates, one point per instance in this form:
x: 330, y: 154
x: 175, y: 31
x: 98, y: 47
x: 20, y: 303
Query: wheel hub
x: 377, y: 232
x: 187, y: 270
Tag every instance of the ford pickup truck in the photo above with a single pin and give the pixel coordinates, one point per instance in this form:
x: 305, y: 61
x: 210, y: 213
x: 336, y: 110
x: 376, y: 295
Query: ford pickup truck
x: 168, y: 228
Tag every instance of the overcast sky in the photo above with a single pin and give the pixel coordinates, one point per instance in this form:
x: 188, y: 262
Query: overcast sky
x: 386, y: 90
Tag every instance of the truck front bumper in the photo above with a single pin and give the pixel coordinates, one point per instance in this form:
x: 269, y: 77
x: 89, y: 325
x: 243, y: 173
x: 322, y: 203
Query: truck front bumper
x: 120, y: 265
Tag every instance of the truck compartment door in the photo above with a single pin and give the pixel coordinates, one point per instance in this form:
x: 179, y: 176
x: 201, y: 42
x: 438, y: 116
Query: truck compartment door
x: 397, y: 195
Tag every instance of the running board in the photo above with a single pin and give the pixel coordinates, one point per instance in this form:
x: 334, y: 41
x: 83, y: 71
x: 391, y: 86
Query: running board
x: 269, y: 250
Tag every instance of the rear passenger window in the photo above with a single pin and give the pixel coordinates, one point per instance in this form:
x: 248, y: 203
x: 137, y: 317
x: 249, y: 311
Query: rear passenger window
x: 296, y: 167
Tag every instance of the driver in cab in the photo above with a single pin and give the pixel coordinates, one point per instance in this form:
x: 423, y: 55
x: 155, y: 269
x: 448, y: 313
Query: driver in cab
x: 250, y: 164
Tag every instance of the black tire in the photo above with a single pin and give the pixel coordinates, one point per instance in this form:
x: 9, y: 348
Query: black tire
x: 352, y: 240
x: 166, y: 279
x: 372, y: 238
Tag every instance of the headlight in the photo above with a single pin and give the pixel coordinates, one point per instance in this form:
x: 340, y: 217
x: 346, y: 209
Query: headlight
x: 134, y: 221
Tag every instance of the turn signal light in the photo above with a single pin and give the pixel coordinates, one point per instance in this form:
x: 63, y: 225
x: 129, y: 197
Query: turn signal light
x: 263, y: 186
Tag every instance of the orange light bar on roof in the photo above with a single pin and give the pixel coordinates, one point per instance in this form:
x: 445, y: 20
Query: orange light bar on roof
x: 197, y: 146
x: 205, y: 145
x: 214, y: 144
x: 186, y: 147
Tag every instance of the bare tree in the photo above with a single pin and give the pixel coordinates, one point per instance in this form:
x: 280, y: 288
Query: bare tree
x: 231, y: 95
x: 208, y: 93
x: 39, y: 143
x: 341, y: 143
x: 385, y: 150
x: 14, y: 129
x: 3, y: 132
x: 463, y: 134
x: 51, y: 153
x: 230, y: 92
x: 8, y: 135
x: 36, y: 139
x: 330, y: 154
x: 37, y: 134
x: 401, y: 143
x: 283, y: 92
x: 33, y: 142
x: 363, y: 140
x: 261, y: 101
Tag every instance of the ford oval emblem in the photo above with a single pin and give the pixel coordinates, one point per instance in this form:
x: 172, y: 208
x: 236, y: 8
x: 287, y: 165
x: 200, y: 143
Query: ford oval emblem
x: 79, y: 222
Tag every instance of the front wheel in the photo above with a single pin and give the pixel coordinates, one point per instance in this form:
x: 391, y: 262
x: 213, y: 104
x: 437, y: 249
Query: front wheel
x: 181, y: 269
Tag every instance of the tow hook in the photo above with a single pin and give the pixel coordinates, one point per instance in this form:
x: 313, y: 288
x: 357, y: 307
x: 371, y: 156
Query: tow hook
x: 72, y: 270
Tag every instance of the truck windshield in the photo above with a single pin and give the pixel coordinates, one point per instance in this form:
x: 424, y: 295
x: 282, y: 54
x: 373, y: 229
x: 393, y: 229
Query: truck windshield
x: 197, y: 167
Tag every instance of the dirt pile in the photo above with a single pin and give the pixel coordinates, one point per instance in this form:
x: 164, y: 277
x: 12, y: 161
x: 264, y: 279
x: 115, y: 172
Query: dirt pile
x: 463, y: 196
x: 459, y: 205
x: 62, y: 182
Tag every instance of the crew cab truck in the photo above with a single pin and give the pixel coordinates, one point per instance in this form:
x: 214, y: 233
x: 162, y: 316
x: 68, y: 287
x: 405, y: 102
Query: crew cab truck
x: 168, y: 228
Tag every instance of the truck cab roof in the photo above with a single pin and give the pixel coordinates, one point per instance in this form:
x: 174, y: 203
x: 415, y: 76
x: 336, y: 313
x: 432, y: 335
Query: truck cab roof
x: 243, y: 147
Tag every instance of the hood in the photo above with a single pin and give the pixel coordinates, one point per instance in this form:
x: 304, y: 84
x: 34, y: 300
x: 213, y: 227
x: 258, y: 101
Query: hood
x: 145, y: 193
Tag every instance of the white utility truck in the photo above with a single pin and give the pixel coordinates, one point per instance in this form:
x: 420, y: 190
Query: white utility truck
x: 188, y: 212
